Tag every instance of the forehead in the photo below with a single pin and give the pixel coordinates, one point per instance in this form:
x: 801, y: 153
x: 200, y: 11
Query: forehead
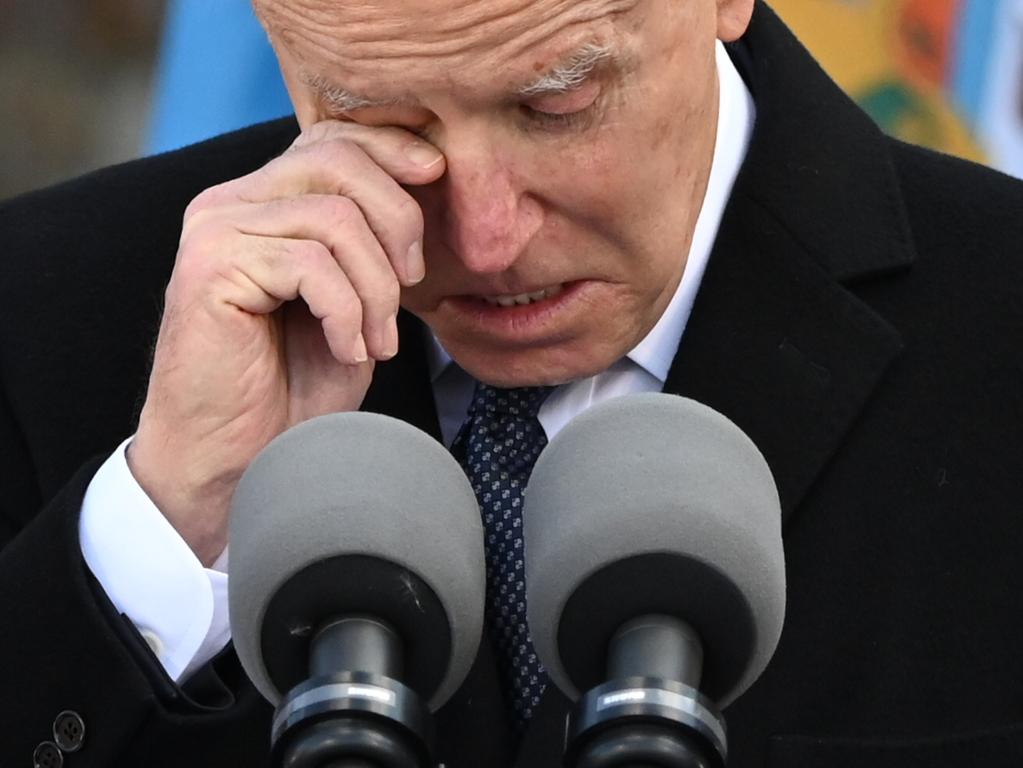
x: 362, y: 39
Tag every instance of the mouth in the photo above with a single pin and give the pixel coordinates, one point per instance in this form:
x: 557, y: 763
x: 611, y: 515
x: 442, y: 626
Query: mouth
x: 531, y: 318
x: 522, y: 299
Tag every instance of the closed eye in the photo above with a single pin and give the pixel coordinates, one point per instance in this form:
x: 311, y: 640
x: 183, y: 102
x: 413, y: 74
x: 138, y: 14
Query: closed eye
x: 563, y: 110
x: 556, y: 119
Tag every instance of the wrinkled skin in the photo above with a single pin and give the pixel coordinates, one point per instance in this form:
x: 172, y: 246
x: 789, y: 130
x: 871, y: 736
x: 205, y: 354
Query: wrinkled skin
x: 607, y: 194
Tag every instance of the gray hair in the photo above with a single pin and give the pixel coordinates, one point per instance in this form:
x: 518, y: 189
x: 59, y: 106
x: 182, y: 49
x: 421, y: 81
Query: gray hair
x: 572, y: 73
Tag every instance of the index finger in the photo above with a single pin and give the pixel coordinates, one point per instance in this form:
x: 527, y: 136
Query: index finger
x: 332, y: 159
x: 326, y: 163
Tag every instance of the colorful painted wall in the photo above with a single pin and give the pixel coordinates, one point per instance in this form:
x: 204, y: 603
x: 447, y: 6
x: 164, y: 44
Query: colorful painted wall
x: 944, y: 73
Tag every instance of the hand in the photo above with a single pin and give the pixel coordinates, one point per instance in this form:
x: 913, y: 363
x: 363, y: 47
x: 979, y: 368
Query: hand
x: 284, y: 293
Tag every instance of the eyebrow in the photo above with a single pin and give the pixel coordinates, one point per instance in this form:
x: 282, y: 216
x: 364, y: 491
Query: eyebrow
x: 565, y: 77
x: 339, y: 98
x: 572, y: 73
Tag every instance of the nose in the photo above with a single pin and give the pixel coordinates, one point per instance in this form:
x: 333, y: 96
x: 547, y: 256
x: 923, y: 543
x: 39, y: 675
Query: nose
x: 487, y: 216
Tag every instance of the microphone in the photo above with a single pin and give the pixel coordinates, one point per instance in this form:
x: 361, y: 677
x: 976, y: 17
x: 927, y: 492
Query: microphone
x: 655, y: 577
x: 356, y: 588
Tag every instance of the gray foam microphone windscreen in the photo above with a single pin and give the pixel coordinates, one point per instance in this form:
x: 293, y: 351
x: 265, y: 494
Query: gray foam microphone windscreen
x: 653, y: 504
x: 356, y: 513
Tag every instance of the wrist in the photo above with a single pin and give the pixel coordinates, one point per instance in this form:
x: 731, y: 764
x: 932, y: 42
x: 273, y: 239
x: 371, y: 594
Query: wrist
x: 197, y: 508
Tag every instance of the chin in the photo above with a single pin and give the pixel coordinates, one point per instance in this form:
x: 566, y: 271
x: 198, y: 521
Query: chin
x: 532, y: 367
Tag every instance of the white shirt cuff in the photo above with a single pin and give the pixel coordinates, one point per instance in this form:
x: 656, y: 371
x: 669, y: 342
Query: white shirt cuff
x: 150, y: 573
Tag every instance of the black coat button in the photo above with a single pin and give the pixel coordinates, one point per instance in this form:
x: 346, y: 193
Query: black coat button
x: 47, y: 756
x: 69, y: 731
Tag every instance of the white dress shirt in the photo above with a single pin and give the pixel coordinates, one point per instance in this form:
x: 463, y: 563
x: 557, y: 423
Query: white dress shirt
x: 180, y: 608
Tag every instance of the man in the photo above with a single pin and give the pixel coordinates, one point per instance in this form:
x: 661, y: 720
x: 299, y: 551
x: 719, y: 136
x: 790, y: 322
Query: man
x: 539, y: 184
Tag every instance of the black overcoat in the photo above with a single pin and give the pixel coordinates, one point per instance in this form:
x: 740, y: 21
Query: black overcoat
x: 860, y: 318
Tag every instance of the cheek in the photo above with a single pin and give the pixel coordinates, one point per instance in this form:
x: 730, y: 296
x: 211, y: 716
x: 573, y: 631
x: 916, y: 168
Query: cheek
x: 662, y: 130
x: 588, y: 180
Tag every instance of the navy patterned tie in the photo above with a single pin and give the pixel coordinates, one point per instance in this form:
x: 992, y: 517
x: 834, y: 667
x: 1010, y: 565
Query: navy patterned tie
x: 498, y: 445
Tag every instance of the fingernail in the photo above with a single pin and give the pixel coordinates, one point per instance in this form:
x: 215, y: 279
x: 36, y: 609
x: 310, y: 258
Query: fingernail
x: 390, y: 340
x: 415, y: 265
x: 359, y: 350
x: 423, y: 154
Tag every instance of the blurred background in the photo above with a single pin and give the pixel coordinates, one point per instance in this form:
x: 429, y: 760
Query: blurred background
x: 86, y: 83
x: 76, y: 79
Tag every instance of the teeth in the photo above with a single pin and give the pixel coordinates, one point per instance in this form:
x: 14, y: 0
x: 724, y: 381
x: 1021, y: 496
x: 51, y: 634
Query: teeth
x: 511, y: 300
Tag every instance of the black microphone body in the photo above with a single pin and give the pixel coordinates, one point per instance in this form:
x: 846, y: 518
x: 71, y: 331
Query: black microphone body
x: 355, y: 709
x: 650, y: 712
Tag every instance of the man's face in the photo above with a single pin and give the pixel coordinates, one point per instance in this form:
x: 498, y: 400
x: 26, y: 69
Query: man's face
x: 578, y: 136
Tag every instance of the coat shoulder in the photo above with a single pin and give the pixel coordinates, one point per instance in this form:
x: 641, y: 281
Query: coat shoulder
x: 83, y: 269
x: 123, y: 211
x: 962, y: 209
x: 113, y: 233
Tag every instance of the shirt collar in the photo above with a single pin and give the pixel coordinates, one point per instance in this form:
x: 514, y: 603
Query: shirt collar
x: 734, y: 129
x: 736, y: 115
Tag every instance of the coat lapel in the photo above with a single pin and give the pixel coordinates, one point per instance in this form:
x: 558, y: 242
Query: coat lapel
x: 778, y: 341
x: 779, y: 347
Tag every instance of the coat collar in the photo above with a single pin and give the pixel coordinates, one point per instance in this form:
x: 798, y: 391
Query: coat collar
x: 816, y: 162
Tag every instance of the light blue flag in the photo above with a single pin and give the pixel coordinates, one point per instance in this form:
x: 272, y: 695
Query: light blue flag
x: 972, y: 68
x: 216, y: 73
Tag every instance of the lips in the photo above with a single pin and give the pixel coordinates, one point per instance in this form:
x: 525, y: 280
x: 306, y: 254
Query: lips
x: 522, y: 299
x: 532, y: 317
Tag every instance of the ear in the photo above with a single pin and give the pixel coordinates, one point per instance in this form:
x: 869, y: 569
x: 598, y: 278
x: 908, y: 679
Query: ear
x: 733, y: 18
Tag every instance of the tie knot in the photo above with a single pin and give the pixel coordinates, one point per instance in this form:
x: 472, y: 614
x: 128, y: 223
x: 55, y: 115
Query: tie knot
x: 518, y: 402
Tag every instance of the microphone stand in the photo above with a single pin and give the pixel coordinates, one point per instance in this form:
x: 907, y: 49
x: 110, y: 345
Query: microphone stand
x: 651, y: 713
x: 353, y: 711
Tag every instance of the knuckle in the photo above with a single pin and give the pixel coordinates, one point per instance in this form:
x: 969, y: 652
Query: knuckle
x: 195, y: 218
x: 198, y: 204
x: 336, y: 152
x: 348, y: 313
x: 208, y: 198
x: 261, y: 178
x: 340, y: 210
x: 203, y: 242
x: 390, y: 294
x: 311, y: 256
x: 410, y: 215
x: 272, y: 258
x: 382, y: 298
x: 317, y: 133
x: 208, y: 230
